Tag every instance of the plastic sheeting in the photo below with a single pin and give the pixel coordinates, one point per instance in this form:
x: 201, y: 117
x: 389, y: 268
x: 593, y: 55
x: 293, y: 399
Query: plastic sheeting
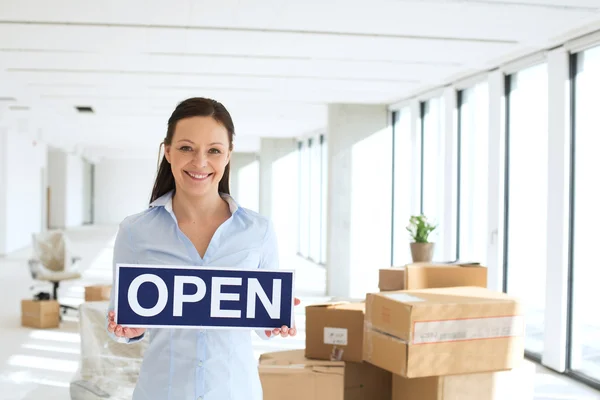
x: 107, y: 370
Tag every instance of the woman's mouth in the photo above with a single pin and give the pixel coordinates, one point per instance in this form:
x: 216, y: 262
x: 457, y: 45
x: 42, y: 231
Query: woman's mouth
x: 197, y: 176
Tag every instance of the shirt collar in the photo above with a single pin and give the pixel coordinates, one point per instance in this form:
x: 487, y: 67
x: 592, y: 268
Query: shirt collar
x: 166, y: 201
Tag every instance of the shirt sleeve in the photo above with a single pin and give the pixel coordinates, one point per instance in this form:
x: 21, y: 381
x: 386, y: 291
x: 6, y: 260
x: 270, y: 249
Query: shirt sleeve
x: 269, y: 259
x: 123, y: 253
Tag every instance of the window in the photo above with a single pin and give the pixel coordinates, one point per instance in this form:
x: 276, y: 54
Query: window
x: 526, y: 197
x: 314, y: 252
x: 312, y: 210
x: 473, y: 173
x: 585, y: 319
x: 304, y: 198
x: 433, y: 199
x: 403, y: 172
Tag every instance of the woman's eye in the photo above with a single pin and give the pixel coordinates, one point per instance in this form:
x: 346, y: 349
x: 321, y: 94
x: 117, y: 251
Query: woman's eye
x: 214, y: 151
x: 185, y: 148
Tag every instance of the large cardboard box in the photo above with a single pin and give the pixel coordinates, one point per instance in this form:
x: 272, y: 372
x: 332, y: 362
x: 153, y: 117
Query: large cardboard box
x: 391, y: 279
x: 516, y: 384
x: 432, y: 275
x: 40, y: 314
x: 98, y: 292
x: 443, y: 331
x: 440, y: 275
x: 334, y: 331
x: 290, y: 375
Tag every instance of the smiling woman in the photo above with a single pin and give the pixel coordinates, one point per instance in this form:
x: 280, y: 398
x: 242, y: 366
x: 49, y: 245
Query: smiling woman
x: 193, y: 221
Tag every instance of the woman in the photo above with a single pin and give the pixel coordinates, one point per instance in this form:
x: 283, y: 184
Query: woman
x: 192, y: 220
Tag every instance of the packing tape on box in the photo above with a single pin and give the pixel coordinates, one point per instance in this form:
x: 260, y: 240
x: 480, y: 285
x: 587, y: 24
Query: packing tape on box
x: 368, y: 342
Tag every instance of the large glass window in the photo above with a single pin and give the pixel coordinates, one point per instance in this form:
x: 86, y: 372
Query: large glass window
x: 585, y: 319
x: 473, y: 173
x: 403, y: 171
x: 312, y: 210
x: 527, y: 177
x: 314, y: 251
x: 304, y: 198
x: 433, y: 169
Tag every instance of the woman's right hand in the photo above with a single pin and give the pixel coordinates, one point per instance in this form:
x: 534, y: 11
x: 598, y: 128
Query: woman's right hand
x: 121, y: 331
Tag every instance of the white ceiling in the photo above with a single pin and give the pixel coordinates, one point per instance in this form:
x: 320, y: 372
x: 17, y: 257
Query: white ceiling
x: 275, y: 64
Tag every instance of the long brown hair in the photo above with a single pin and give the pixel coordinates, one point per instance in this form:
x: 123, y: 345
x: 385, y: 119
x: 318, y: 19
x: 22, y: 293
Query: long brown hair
x: 193, y: 107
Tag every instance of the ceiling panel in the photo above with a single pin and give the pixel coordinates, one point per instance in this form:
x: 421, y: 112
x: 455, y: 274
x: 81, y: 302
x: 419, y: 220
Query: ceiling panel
x: 276, y: 65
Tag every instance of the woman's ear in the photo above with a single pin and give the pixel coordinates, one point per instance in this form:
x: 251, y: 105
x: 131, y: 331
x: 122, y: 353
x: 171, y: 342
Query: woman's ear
x: 168, y: 153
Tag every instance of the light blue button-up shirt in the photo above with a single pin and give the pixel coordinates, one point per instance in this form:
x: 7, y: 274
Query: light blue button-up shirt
x: 187, y: 363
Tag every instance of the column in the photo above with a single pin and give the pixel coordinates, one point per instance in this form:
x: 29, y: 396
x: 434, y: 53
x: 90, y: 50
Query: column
x: 496, y: 180
x: 359, y: 207
x: 559, y: 158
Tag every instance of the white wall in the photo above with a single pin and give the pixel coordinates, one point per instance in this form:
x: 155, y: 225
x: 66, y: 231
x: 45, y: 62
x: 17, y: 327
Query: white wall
x: 22, y: 161
x: 122, y: 188
x: 3, y: 190
x: 66, y: 181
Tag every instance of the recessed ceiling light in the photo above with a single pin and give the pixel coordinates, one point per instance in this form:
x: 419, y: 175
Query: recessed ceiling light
x: 7, y: 99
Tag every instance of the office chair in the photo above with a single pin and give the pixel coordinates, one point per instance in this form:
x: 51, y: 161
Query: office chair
x: 52, y: 262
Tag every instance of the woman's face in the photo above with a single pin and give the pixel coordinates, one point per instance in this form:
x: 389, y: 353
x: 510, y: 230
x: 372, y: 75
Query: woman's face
x: 198, y: 155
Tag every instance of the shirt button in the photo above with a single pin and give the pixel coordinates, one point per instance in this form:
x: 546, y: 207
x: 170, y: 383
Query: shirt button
x: 200, y: 364
x: 200, y: 398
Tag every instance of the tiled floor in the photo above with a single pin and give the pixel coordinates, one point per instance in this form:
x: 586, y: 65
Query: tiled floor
x: 40, y: 364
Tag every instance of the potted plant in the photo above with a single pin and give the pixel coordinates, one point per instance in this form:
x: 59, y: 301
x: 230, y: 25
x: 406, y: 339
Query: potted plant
x: 420, y: 229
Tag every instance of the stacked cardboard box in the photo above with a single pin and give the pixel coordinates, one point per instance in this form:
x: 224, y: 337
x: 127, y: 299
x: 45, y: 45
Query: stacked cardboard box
x: 291, y: 375
x: 433, y: 332
x: 432, y: 275
x: 442, y: 336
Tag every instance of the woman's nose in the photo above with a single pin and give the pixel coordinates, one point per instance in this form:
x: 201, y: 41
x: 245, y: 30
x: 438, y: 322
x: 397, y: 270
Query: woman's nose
x: 200, y: 160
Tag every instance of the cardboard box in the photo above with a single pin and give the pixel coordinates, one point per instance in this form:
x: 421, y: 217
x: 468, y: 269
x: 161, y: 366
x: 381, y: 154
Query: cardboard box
x: 289, y: 375
x: 443, y: 331
x: 334, y: 331
x: 440, y: 275
x: 391, y: 279
x: 98, y: 293
x: 516, y: 384
x: 432, y: 275
x: 40, y: 314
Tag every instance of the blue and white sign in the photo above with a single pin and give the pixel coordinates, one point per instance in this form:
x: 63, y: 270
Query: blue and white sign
x: 150, y: 296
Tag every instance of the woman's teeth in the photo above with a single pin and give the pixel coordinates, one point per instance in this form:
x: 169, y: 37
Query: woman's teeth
x: 197, y: 176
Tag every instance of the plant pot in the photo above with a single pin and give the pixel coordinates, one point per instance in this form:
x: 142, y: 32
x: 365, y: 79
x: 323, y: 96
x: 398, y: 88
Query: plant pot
x: 422, y: 252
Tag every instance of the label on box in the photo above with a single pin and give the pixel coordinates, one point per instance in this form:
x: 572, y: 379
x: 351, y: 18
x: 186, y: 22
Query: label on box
x: 403, y: 297
x: 467, y: 329
x: 337, y: 336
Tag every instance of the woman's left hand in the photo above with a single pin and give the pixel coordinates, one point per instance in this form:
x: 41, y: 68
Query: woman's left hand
x: 284, y: 331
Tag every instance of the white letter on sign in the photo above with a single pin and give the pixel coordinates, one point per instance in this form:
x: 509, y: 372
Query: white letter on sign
x: 217, y: 297
x: 179, y: 298
x: 272, y: 307
x: 132, y: 295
